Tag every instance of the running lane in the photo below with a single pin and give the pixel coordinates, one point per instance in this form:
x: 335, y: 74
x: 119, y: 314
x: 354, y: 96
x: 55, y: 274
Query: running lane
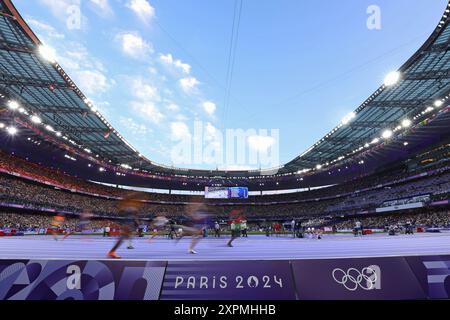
x: 251, y: 248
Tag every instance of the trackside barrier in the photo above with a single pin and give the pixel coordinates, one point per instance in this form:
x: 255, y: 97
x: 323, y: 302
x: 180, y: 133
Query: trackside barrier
x: 388, y: 278
x: 10, y: 233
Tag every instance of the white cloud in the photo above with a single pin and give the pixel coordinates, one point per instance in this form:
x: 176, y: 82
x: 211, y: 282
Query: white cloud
x: 134, y: 127
x: 134, y: 45
x: 92, y: 81
x: 179, y: 130
x: 86, y: 70
x: 189, y: 84
x: 260, y: 143
x: 57, y: 7
x: 209, y: 107
x: 103, y: 6
x: 148, y: 110
x: 181, y: 117
x: 142, y: 8
x: 144, y: 91
x: 49, y: 31
x: 176, y: 63
x: 173, y: 107
x: 78, y: 57
x: 146, y: 96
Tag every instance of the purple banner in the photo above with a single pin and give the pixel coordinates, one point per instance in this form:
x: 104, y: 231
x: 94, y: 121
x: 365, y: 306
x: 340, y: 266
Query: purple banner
x: 389, y: 278
x: 433, y: 274
x: 228, y: 280
x: 80, y: 280
x: 356, y: 279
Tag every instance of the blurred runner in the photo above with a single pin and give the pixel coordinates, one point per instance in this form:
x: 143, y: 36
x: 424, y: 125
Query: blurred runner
x: 129, y: 208
x: 159, y: 226
x: 235, y: 226
x: 85, y: 219
x: 197, y: 215
x: 56, y: 225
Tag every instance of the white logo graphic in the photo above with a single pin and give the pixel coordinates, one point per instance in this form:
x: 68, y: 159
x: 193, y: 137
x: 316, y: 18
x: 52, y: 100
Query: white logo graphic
x: 73, y: 21
x: 368, y: 278
x: 74, y: 280
x: 374, y: 20
x: 253, y: 282
x: 226, y: 149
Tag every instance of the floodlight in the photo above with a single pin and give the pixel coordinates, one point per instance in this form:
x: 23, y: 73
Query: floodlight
x: 392, y: 78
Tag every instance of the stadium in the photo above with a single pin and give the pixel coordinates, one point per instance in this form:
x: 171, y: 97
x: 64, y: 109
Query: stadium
x: 365, y: 209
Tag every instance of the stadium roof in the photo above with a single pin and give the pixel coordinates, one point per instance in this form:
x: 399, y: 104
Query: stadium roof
x: 42, y: 89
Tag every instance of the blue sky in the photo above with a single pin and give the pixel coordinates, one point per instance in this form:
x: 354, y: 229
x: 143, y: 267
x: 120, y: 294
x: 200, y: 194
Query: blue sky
x: 153, y: 67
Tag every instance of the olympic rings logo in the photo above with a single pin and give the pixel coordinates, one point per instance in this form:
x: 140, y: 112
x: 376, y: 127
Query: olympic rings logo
x: 369, y: 278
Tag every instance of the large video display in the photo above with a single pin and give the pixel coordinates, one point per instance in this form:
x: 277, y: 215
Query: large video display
x: 226, y: 192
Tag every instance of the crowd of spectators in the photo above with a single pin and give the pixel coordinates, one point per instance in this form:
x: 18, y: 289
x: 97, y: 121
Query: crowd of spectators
x: 30, y: 194
x: 14, y: 164
x: 23, y: 192
x: 36, y: 221
x: 433, y: 219
x: 71, y: 194
x: 435, y: 184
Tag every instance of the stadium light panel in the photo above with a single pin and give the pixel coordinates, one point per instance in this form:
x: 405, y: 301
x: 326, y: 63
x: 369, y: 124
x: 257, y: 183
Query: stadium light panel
x: 405, y: 143
x: 47, y: 53
x: 406, y: 123
x: 438, y: 103
x: 376, y: 140
x: 49, y: 128
x: 387, y: 134
x: 11, y: 130
x: 13, y: 105
x: 58, y: 134
x: 2, y: 125
x: 348, y: 118
x: 35, y: 119
x: 319, y: 166
x: 392, y: 78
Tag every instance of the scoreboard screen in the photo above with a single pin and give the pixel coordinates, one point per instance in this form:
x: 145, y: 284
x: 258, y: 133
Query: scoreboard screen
x: 226, y: 193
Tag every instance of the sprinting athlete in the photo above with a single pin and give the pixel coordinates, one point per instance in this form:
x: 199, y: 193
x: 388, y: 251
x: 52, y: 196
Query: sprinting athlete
x: 197, y: 214
x: 85, y: 219
x: 172, y: 230
x: 235, y: 226
x: 56, y: 225
x: 129, y: 209
x: 158, y: 225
